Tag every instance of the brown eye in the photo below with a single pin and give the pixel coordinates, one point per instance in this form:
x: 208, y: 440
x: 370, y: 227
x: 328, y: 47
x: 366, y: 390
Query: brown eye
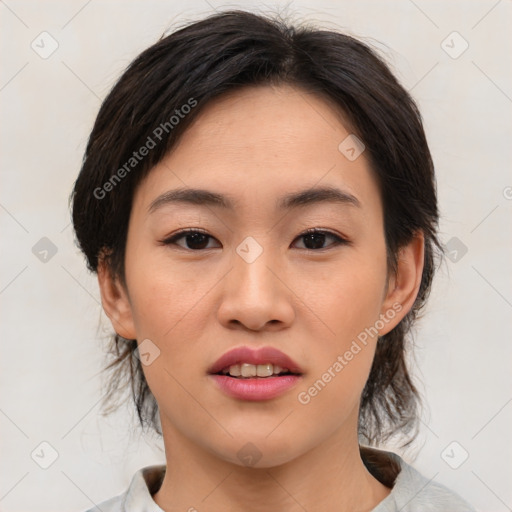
x: 315, y: 239
x: 194, y: 240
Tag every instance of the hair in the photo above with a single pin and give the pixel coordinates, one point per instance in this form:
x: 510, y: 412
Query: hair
x: 165, y: 88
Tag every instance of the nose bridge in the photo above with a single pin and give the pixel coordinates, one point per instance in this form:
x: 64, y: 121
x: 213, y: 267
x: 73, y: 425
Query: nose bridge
x: 252, y: 262
x: 253, y: 295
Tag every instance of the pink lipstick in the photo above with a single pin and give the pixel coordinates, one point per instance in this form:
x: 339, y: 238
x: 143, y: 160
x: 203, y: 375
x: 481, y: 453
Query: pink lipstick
x: 255, y: 374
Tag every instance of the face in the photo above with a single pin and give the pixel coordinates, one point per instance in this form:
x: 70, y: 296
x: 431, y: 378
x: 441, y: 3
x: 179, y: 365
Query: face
x: 301, y: 277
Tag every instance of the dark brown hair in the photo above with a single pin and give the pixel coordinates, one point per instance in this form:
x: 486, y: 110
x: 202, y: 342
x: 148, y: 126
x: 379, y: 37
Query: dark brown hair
x: 166, y: 87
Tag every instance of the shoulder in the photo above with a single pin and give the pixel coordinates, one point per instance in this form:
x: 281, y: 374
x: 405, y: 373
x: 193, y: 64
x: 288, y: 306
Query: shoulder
x: 413, y: 492
x: 138, y: 496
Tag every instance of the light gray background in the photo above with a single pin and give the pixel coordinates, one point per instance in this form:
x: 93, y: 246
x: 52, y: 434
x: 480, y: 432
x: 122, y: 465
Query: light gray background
x: 51, y: 317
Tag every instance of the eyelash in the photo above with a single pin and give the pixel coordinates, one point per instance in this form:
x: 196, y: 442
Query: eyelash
x: 313, y: 231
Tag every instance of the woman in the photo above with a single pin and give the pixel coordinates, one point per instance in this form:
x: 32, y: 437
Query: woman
x: 259, y: 204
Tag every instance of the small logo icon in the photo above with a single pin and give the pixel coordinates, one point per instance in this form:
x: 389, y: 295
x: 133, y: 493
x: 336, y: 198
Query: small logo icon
x: 147, y: 352
x: 249, y: 250
x: 44, y: 455
x: 351, y: 147
x: 455, y: 249
x: 454, y: 45
x: 44, y: 250
x: 454, y: 455
x: 44, y: 45
x: 249, y: 454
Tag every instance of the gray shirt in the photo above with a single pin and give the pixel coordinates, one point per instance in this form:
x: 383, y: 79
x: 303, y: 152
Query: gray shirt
x: 411, y: 492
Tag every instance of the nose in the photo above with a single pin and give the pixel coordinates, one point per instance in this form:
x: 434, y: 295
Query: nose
x: 255, y: 295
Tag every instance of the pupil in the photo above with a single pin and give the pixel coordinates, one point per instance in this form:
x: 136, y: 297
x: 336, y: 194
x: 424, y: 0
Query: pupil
x: 317, y: 239
x: 197, y: 238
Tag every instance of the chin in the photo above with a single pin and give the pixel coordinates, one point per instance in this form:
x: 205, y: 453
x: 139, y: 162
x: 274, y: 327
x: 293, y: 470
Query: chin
x: 259, y: 452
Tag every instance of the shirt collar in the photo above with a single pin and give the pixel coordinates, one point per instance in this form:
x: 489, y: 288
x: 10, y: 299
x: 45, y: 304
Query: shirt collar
x: 145, y: 483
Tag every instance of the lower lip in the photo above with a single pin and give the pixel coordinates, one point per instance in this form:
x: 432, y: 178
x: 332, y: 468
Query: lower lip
x: 256, y: 389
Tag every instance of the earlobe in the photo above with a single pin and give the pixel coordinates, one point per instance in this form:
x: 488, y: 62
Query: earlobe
x: 403, y: 286
x: 115, y: 302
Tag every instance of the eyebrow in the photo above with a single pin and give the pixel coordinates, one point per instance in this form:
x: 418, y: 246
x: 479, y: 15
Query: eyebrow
x: 298, y: 199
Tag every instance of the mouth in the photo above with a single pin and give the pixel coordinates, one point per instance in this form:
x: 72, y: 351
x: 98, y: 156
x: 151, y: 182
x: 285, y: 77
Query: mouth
x: 254, y: 375
x: 250, y: 371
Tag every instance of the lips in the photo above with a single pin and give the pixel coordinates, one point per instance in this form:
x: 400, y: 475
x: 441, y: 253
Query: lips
x: 264, y: 355
x: 255, y: 388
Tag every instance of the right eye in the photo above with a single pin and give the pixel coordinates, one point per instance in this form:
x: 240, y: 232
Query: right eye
x: 195, y: 240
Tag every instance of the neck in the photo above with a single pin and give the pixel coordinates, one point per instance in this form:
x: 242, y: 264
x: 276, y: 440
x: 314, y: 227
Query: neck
x: 329, y: 477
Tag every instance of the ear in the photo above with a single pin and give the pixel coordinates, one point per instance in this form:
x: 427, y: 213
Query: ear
x: 115, y: 301
x: 403, y: 286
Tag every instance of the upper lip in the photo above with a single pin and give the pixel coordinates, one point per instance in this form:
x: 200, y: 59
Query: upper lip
x: 254, y: 356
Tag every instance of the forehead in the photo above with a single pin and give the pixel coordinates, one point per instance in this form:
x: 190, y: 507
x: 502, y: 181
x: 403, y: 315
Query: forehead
x: 267, y: 116
x: 260, y: 143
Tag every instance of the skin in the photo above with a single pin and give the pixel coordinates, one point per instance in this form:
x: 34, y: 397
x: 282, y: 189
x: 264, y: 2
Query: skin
x: 257, y: 144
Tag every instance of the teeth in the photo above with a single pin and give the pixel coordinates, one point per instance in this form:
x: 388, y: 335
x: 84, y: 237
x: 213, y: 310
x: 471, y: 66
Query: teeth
x: 234, y: 370
x: 248, y: 370
x: 264, y: 370
x: 252, y: 370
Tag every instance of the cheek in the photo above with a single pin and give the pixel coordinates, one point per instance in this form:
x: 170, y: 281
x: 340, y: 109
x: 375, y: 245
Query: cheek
x: 163, y: 296
x: 351, y: 299
x: 350, y: 310
x: 171, y: 308
x: 342, y: 362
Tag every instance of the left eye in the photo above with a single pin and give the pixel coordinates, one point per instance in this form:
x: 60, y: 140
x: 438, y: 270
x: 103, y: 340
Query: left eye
x: 315, y: 238
x: 197, y: 240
